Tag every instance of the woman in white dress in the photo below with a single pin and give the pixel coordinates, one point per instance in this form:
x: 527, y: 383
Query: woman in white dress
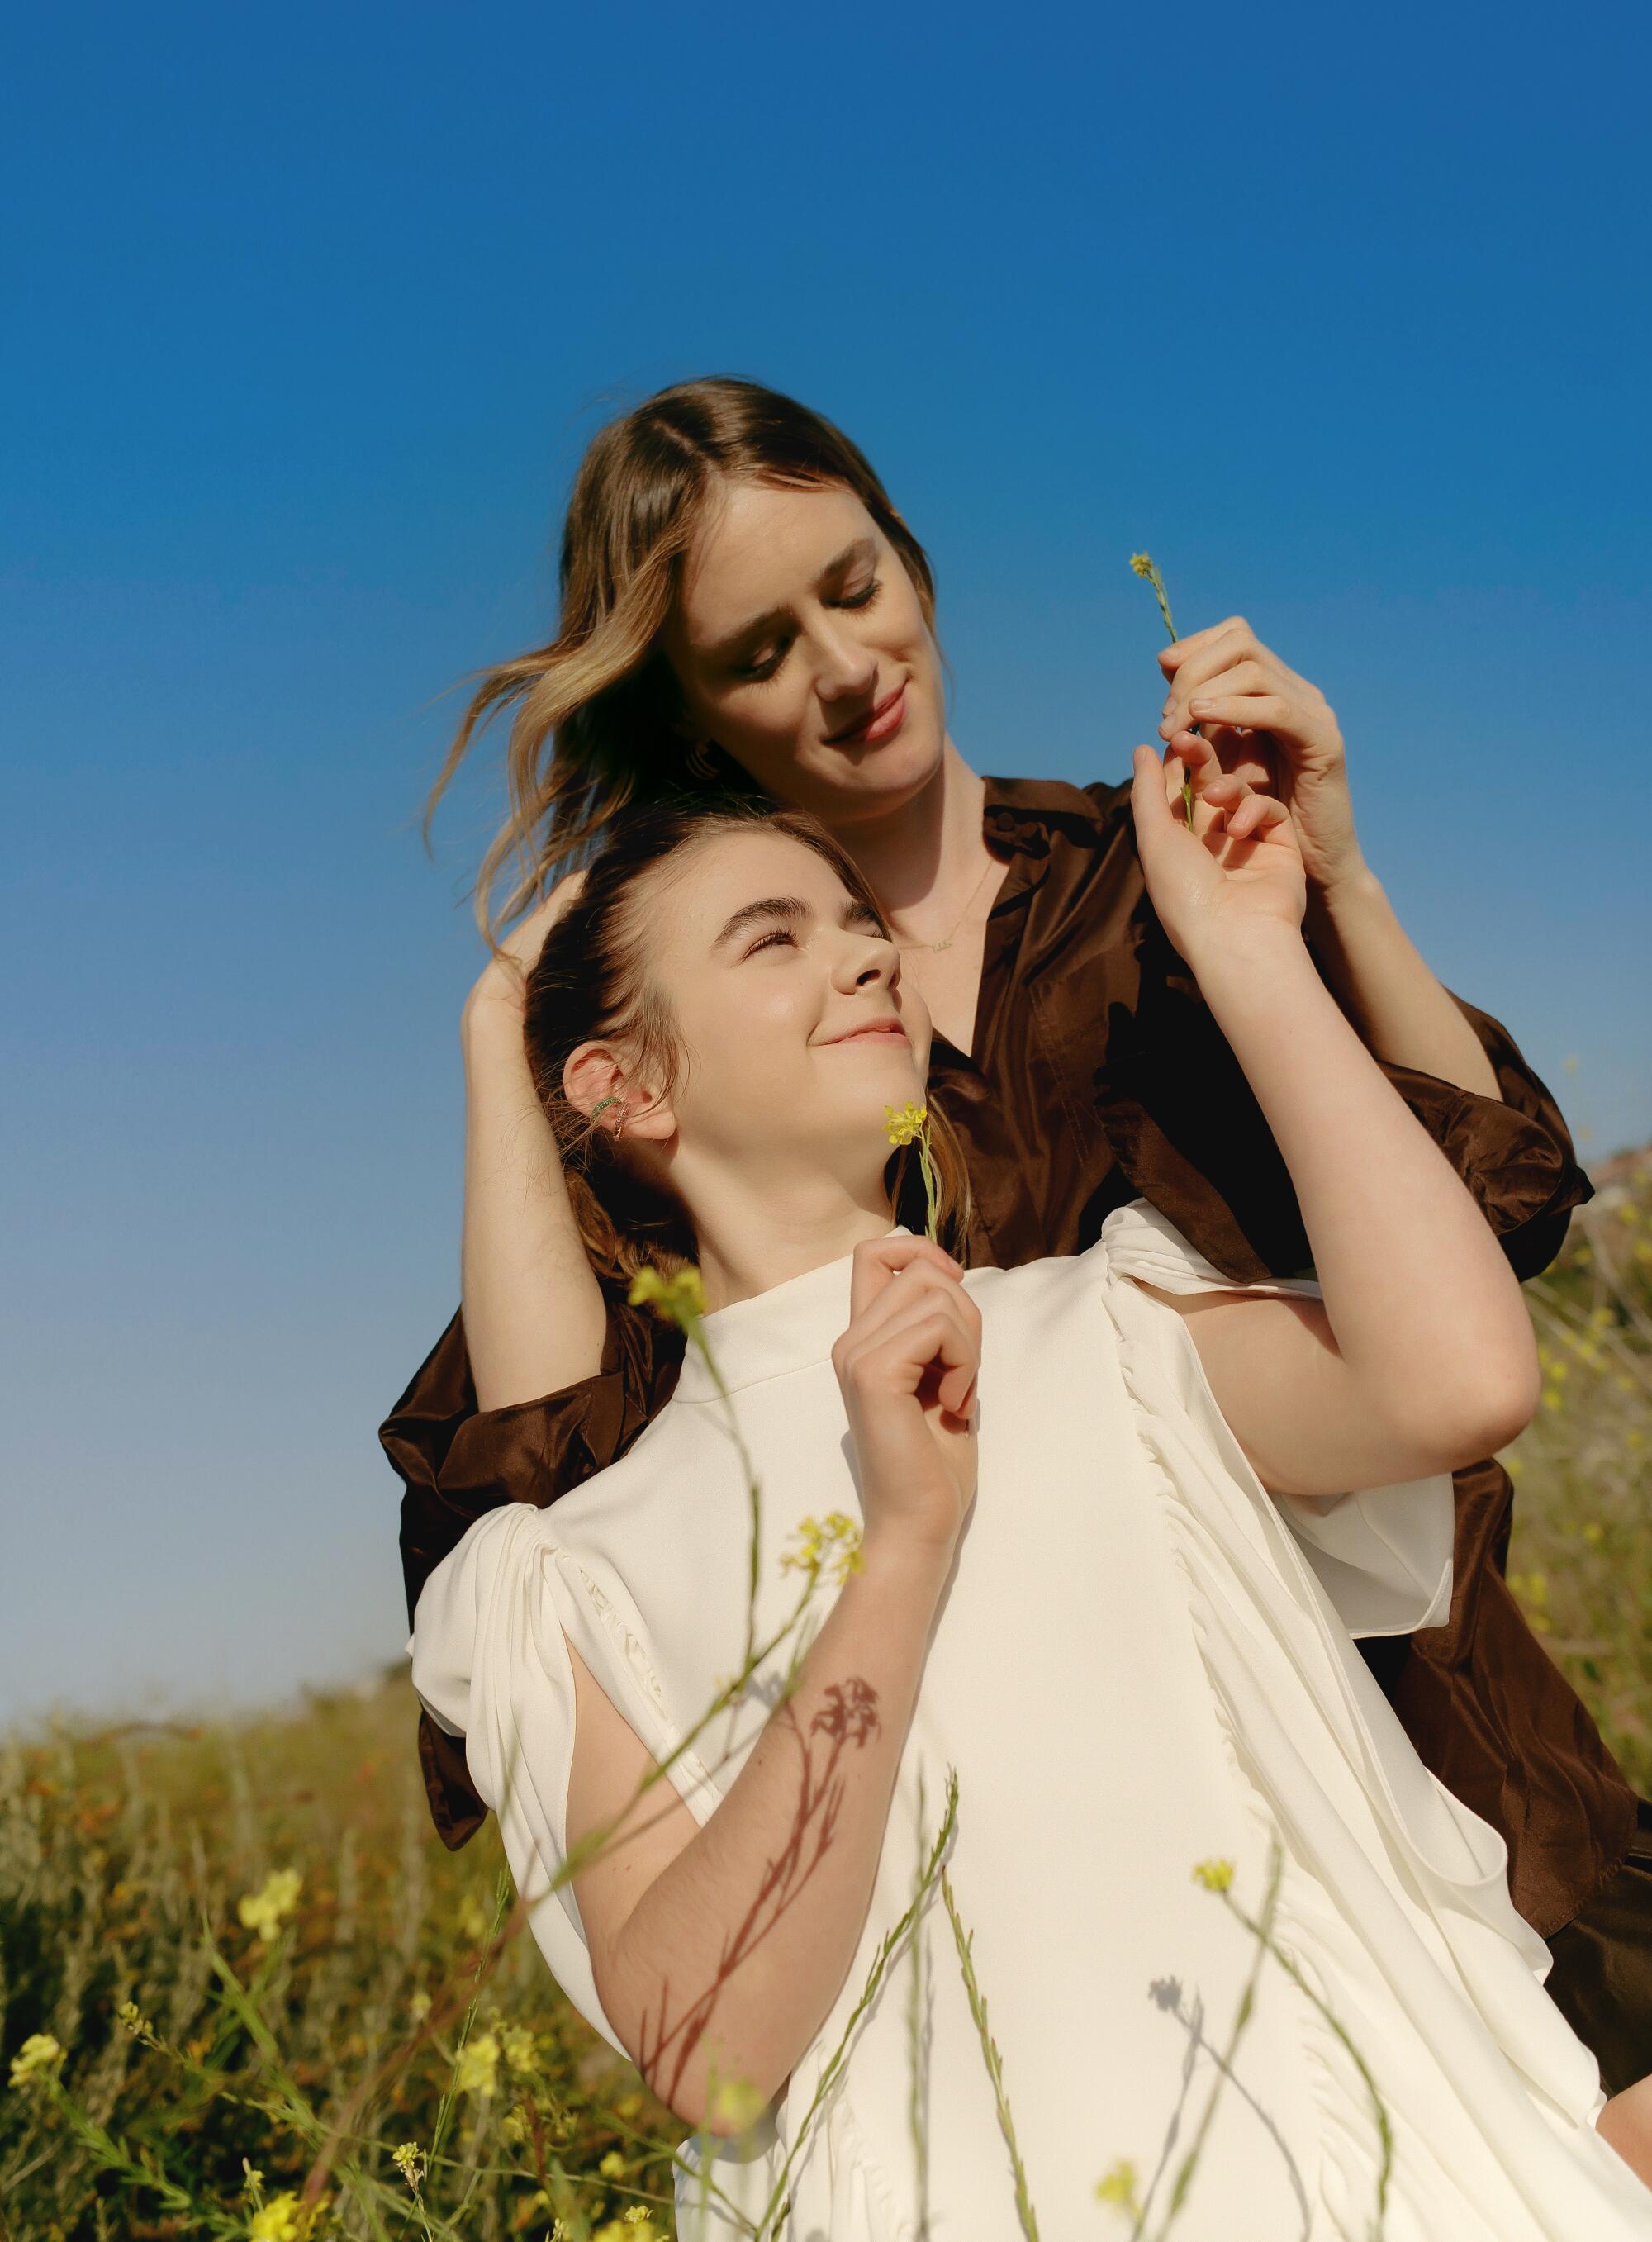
x: 1109, y: 1570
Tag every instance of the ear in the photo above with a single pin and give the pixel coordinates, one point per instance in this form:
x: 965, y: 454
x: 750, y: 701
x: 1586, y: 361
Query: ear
x: 596, y: 1074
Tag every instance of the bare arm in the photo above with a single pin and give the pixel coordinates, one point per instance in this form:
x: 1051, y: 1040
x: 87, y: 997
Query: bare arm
x: 1420, y: 1357
x: 726, y: 1946
x: 1402, y: 1012
x: 535, y: 1319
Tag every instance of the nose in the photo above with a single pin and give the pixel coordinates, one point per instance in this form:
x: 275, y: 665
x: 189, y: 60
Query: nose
x: 847, y: 670
x: 867, y: 961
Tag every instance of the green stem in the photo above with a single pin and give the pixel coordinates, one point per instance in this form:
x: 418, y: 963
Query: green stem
x: 964, y: 1943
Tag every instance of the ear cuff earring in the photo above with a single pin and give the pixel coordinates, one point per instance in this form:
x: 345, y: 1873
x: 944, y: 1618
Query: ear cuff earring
x: 601, y: 1105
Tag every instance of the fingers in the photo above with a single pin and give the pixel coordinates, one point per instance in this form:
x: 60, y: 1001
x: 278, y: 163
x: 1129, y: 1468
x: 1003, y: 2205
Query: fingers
x: 1220, y: 676
x: 1255, y: 816
x: 1237, y: 810
x: 1255, y: 712
x: 1196, y: 646
x: 1150, y: 801
x: 880, y: 1258
x: 922, y: 1324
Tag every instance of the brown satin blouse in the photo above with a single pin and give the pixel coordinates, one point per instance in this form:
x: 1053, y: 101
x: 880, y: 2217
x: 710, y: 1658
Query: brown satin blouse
x: 1098, y: 1076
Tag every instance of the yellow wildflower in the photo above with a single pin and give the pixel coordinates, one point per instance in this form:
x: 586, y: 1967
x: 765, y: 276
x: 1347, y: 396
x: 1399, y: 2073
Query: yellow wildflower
x: 131, y: 2018
x: 282, y: 2218
x: 737, y: 2105
x: 1215, y: 1876
x: 836, y: 1535
x: 679, y: 1299
x: 905, y: 1124
x: 40, y: 2053
x: 518, y: 2047
x: 477, y: 2070
x: 613, y: 2165
x: 418, y: 2005
x: 1118, y: 2188
x: 265, y: 1909
x: 1143, y: 564
x: 474, y: 1920
x: 412, y: 2163
x: 1595, y: 1533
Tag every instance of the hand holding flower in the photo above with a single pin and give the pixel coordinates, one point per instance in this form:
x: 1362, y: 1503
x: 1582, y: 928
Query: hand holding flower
x: 1261, y: 722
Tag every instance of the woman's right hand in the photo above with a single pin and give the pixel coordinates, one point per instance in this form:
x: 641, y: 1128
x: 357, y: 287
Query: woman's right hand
x: 907, y: 1364
x: 503, y: 980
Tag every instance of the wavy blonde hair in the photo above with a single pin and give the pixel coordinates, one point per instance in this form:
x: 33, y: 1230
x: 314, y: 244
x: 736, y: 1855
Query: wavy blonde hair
x: 591, y: 981
x: 595, y: 713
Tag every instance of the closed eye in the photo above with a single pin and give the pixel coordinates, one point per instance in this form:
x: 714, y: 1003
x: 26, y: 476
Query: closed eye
x: 762, y: 667
x: 775, y: 934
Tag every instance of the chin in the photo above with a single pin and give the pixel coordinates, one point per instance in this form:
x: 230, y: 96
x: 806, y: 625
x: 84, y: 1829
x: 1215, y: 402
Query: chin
x: 879, y: 779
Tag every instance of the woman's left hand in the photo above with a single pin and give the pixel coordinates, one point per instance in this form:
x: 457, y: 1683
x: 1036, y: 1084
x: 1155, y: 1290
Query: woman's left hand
x: 1265, y: 724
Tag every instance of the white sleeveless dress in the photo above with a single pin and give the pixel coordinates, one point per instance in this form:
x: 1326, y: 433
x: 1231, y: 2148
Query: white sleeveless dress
x: 1143, y: 1663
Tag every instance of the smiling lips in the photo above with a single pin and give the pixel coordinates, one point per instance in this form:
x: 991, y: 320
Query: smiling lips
x: 888, y: 1031
x: 880, y: 722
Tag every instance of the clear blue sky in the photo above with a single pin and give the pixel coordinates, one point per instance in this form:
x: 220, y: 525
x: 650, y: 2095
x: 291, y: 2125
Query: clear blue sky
x: 1342, y: 313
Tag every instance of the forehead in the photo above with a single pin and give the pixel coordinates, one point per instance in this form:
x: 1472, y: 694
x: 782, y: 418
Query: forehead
x: 760, y: 545
x: 716, y: 877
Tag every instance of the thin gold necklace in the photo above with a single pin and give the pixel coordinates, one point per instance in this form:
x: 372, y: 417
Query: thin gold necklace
x: 945, y: 942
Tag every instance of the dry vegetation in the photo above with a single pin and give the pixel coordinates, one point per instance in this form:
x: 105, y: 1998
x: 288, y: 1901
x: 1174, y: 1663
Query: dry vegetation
x: 260, y: 2087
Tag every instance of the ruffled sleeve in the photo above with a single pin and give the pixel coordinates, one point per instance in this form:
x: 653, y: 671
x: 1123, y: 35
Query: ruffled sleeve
x: 456, y: 1462
x: 1382, y: 1554
x: 491, y: 1667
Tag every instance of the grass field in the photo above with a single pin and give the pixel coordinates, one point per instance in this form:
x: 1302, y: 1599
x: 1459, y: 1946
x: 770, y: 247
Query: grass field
x: 182, y: 2072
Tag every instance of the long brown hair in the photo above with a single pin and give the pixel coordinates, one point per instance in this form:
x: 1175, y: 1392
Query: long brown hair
x: 594, y: 712
x: 591, y: 981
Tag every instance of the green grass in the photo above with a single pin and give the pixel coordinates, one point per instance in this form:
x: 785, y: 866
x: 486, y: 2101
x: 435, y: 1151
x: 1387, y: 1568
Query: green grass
x: 123, y: 1854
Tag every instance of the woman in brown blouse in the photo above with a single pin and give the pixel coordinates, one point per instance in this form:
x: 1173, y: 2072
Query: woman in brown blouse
x: 743, y: 609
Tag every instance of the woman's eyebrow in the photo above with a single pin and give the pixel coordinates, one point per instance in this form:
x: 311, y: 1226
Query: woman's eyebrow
x: 734, y: 641
x: 793, y: 910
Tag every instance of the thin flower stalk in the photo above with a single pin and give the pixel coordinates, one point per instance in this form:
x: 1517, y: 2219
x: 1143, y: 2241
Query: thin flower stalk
x: 1146, y: 568
x: 1218, y: 1876
x: 965, y: 1943
x: 909, y: 1124
x: 1263, y: 1933
x: 682, y: 1300
x: 779, y: 2203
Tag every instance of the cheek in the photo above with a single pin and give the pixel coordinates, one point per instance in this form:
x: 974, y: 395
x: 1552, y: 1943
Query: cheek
x: 748, y: 1041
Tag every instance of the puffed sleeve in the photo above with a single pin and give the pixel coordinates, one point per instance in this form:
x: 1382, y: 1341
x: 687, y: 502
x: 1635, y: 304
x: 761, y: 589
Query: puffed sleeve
x: 1382, y: 1554
x: 456, y: 1463
x: 491, y: 1669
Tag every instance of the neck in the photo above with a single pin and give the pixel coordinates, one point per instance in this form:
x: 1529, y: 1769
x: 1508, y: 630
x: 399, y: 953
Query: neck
x: 929, y: 847
x: 754, y: 1231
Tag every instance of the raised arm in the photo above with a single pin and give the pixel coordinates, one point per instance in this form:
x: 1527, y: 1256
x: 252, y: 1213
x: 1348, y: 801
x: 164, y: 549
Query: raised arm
x: 740, y: 1934
x: 1419, y: 1357
x: 1263, y: 723
x: 533, y: 1314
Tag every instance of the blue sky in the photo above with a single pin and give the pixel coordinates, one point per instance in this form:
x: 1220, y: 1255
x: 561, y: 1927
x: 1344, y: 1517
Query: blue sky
x: 311, y: 312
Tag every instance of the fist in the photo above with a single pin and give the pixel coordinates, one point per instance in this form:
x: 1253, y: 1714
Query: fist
x: 906, y: 1365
